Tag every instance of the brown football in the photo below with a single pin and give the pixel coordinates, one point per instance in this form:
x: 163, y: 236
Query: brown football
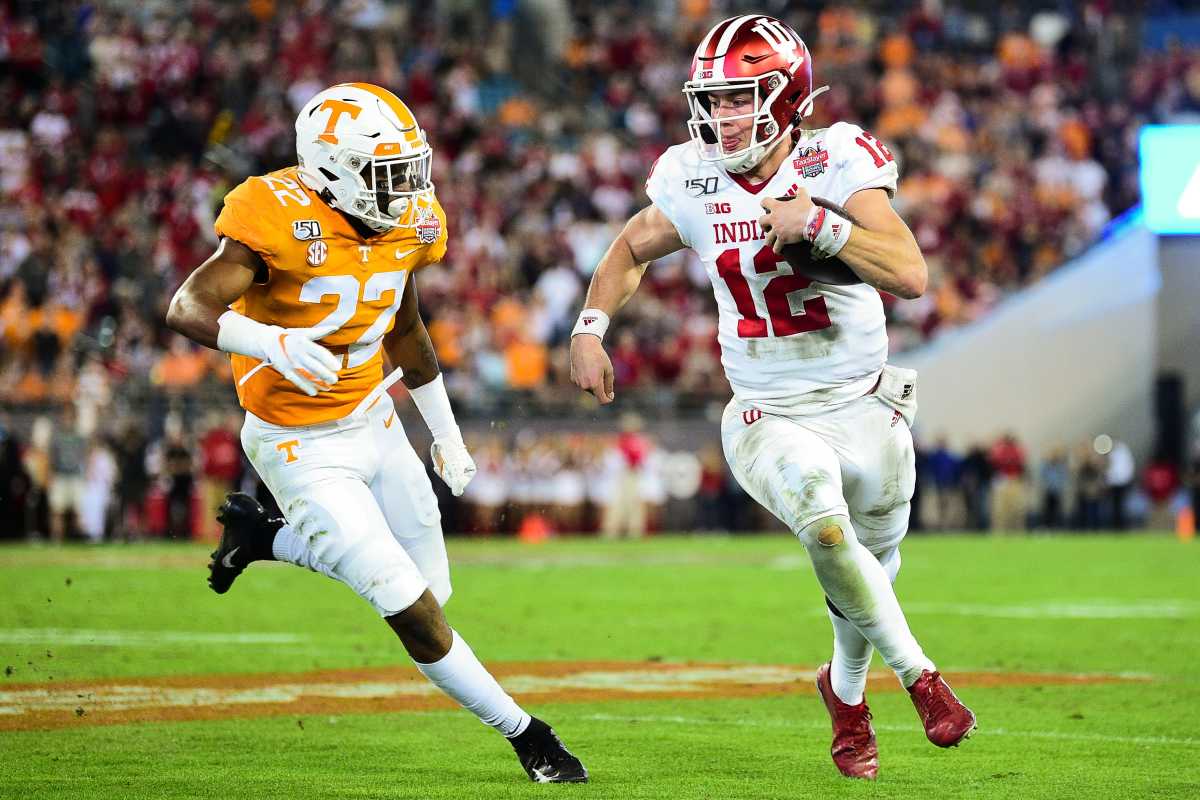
x: 826, y: 270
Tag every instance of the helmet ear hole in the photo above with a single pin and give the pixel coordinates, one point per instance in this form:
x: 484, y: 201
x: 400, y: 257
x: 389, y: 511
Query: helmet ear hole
x: 328, y: 175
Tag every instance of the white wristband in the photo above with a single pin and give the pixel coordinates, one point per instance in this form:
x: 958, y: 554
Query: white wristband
x: 593, y: 321
x: 239, y: 334
x: 828, y: 231
x: 434, y: 404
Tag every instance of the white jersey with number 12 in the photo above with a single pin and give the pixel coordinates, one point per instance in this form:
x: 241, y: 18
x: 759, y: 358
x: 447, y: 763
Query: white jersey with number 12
x: 788, y: 344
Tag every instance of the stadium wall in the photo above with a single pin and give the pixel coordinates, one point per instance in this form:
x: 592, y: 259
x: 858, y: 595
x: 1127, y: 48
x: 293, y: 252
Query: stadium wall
x: 1073, y: 356
x: 1179, y: 312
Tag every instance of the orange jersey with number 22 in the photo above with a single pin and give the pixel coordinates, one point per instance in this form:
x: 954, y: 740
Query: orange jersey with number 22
x: 321, y: 274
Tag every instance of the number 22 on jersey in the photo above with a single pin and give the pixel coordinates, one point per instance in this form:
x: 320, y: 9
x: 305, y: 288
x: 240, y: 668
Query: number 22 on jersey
x: 347, y: 289
x: 776, y: 292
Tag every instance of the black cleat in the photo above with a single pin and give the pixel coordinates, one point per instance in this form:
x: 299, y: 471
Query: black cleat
x: 544, y: 756
x: 247, y: 537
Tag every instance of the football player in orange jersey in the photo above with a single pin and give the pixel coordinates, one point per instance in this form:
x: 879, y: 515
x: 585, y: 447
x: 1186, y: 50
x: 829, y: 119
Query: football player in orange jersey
x: 311, y: 289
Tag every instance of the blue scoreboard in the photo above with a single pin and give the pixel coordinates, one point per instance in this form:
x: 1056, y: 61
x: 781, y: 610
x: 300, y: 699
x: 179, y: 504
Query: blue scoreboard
x: 1170, y: 178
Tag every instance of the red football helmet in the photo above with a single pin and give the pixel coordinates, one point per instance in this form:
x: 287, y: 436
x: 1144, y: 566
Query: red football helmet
x: 756, y: 53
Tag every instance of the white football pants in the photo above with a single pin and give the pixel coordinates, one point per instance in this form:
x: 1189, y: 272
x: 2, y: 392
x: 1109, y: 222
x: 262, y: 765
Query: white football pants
x: 359, y: 503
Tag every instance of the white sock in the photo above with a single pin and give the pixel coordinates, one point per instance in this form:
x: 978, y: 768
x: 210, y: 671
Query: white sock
x: 851, y: 650
x: 294, y: 549
x: 858, y: 585
x: 851, y: 660
x: 460, y: 675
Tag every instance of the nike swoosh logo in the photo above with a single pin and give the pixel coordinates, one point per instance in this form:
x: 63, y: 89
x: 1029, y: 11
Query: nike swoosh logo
x: 400, y: 256
x: 387, y: 423
x: 227, y: 561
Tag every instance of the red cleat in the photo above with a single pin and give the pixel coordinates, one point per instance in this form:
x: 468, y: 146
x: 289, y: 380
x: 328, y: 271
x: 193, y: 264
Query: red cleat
x: 853, y: 750
x: 947, y: 721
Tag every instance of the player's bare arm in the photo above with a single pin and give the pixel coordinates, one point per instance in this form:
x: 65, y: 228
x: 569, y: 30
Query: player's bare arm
x: 200, y: 311
x: 409, y: 348
x: 209, y: 290
x: 647, y: 236
x: 408, y: 345
x: 880, y: 249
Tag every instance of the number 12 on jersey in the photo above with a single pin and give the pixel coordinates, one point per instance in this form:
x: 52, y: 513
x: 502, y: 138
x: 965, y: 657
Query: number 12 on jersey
x: 813, y: 315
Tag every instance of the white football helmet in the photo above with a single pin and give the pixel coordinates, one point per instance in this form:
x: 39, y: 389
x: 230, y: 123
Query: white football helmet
x: 360, y: 148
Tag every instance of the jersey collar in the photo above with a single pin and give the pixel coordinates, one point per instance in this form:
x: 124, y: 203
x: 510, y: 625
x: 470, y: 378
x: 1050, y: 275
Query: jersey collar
x: 752, y: 187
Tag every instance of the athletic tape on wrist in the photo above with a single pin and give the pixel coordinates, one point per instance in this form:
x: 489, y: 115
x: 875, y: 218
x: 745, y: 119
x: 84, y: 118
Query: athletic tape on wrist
x: 434, y: 404
x: 592, y: 321
x: 239, y: 334
x: 827, y: 230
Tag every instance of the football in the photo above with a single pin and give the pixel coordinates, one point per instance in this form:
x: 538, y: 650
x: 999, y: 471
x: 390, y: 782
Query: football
x: 827, y: 270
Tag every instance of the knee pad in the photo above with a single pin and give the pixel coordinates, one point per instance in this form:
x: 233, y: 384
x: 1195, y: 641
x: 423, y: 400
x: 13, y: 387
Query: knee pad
x: 381, y: 574
x: 827, y: 533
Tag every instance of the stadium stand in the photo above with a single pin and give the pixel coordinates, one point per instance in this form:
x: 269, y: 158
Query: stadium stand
x: 122, y: 125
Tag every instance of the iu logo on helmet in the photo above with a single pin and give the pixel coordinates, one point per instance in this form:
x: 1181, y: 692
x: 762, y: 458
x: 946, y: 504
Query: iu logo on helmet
x: 751, y: 416
x: 782, y: 41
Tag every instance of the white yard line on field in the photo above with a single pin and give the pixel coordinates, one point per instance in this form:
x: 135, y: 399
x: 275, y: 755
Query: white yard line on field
x: 119, y: 638
x: 1172, y: 741
x: 1063, y: 609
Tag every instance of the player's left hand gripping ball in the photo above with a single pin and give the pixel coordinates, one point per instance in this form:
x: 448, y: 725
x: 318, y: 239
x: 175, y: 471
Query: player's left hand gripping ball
x: 453, y: 465
x: 784, y: 219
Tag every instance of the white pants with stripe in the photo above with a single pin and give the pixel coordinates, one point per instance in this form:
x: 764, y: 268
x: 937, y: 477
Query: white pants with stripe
x: 856, y: 460
x: 359, y: 501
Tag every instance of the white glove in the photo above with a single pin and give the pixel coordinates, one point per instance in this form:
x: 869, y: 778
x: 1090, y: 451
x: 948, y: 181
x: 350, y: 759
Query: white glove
x: 308, y: 365
x: 290, y: 351
x: 453, y: 464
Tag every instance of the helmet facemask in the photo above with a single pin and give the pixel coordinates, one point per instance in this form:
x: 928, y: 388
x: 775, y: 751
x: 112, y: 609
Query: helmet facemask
x: 705, y: 129
x: 388, y: 190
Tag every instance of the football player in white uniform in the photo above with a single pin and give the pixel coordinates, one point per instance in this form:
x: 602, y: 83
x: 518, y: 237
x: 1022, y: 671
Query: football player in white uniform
x: 818, y: 427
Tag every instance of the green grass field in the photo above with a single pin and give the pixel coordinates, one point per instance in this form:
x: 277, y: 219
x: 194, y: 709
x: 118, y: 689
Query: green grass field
x: 1102, y: 606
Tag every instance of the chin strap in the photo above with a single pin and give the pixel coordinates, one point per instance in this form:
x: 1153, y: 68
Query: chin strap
x: 806, y: 108
x: 756, y: 155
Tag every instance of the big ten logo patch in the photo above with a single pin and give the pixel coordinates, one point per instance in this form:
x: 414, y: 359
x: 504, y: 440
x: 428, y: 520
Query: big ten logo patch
x: 718, y: 208
x: 288, y: 449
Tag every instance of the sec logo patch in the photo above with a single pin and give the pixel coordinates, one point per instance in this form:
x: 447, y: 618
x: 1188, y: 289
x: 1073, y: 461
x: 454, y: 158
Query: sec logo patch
x: 318, y: 251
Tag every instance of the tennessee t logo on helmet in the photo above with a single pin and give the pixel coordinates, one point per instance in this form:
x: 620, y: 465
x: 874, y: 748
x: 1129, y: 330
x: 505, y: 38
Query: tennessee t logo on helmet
x: 336, y: 108
x: 360, y: 148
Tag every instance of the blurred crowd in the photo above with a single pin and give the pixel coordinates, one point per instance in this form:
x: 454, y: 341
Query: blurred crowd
x: 1095, y: 485
x: 535, y: 483
x: 122, y: 125
x: 64, y: 484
